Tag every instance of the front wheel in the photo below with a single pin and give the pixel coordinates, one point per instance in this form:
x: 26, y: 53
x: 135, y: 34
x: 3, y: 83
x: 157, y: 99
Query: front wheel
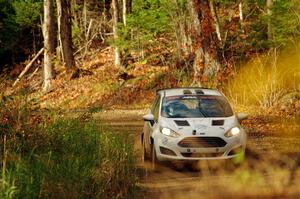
x: 154, y: 160
x: 144, y: 156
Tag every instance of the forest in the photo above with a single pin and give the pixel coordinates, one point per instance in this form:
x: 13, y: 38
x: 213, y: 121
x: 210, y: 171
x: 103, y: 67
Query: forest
x: 72, y: 69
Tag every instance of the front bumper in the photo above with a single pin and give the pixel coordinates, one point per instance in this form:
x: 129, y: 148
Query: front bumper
x: 168, y: 149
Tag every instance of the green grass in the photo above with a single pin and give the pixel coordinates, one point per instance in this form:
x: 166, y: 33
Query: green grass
x: 47, y: 156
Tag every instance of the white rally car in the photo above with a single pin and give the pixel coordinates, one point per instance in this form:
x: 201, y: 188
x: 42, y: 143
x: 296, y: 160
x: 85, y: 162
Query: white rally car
x: 192, y: 124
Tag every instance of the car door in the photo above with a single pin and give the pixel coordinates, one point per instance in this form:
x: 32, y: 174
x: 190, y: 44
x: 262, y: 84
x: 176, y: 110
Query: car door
x: 155, y: 112
x: 149, y: 126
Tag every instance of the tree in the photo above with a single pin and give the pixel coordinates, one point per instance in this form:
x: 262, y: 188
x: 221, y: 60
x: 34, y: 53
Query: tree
x: 115, y: 31
x: 20, y: 34
x: 127, y: 8
x: 206, y: 65
x: 65, y: 36
x: 27, y: 15
x: 49, y: 43
x: 124, y: 11
x: 269, y: 13
x: 106, y: 4
x: 9, y: 33
x: 215, y: 18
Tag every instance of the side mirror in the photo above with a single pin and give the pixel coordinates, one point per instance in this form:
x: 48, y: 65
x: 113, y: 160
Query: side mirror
x: 149, y: 117
x: 242, y: 116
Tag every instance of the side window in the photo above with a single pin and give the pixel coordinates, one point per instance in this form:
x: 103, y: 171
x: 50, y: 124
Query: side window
x: 155, y: 108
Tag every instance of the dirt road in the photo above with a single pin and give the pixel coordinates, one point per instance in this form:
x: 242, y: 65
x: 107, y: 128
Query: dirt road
x: 273, y: 146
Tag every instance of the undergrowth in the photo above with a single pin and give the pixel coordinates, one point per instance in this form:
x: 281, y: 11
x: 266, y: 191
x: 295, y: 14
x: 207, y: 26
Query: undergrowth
x: 267, y: 81
x: 45, y: 155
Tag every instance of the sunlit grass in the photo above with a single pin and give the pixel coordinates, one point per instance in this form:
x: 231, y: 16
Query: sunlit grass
x: 266, y: 79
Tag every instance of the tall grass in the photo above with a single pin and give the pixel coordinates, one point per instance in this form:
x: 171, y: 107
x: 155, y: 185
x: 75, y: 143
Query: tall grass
x: 266, y: 79
x: 48, y: 156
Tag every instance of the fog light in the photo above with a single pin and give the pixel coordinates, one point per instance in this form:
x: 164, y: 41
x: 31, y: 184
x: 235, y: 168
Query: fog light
x: 166, y: 151
x: 236, y: 151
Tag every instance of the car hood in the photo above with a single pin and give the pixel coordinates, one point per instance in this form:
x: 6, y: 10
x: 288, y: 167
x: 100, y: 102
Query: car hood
x: 199, y: 126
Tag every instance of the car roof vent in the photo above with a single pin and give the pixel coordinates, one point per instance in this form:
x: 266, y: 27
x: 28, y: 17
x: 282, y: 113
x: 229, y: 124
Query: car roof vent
x: 217, y: 123
x: 182, y: 123
x: 199, y: 92
x: 187, y: 92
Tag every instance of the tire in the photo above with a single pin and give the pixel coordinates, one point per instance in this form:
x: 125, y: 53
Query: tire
x: 193, y: 166
x: 154, y: 160
x: 144, y: 156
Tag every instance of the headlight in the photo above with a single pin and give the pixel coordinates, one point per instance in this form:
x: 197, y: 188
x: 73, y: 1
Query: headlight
x: 169, y: 132
x: 232, y: 132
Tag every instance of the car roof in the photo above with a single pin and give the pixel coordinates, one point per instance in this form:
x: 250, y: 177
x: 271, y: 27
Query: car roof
x: 188, y: 91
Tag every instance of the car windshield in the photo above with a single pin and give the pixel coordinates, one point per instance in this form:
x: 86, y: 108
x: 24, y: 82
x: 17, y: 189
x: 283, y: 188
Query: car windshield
x: 195, y: 106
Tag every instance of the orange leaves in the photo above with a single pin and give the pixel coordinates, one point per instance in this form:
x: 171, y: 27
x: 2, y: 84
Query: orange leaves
x: 142, y: 69
x: 4, y: 119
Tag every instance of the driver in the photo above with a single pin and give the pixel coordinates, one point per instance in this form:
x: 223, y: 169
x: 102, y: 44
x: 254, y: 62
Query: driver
x: 175, y: 108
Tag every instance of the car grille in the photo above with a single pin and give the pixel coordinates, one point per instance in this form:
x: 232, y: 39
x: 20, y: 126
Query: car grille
x: 201, y: 155
x: 202, y: 142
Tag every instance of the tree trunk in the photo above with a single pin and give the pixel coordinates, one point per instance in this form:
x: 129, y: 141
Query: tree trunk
x: 241, y: 12
x: 215, y: 19
x: 124, y: 11
x: 115, y: 31
x: 181, y: 30
x: 65, y: 34
x: 129, y: 6
x: 269, y: 13
x: 84, y: 12
x: 206, y: 65
x: 49, y: 43
x: 106, y: 6
x: 241, y: 16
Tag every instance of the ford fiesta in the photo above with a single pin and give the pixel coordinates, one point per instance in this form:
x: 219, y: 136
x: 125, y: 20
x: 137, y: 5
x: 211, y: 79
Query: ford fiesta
x: 192, y: 124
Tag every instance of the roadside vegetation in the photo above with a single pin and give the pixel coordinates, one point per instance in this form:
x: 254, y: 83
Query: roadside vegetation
x: 45, y: 155
x: 268, y: 83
